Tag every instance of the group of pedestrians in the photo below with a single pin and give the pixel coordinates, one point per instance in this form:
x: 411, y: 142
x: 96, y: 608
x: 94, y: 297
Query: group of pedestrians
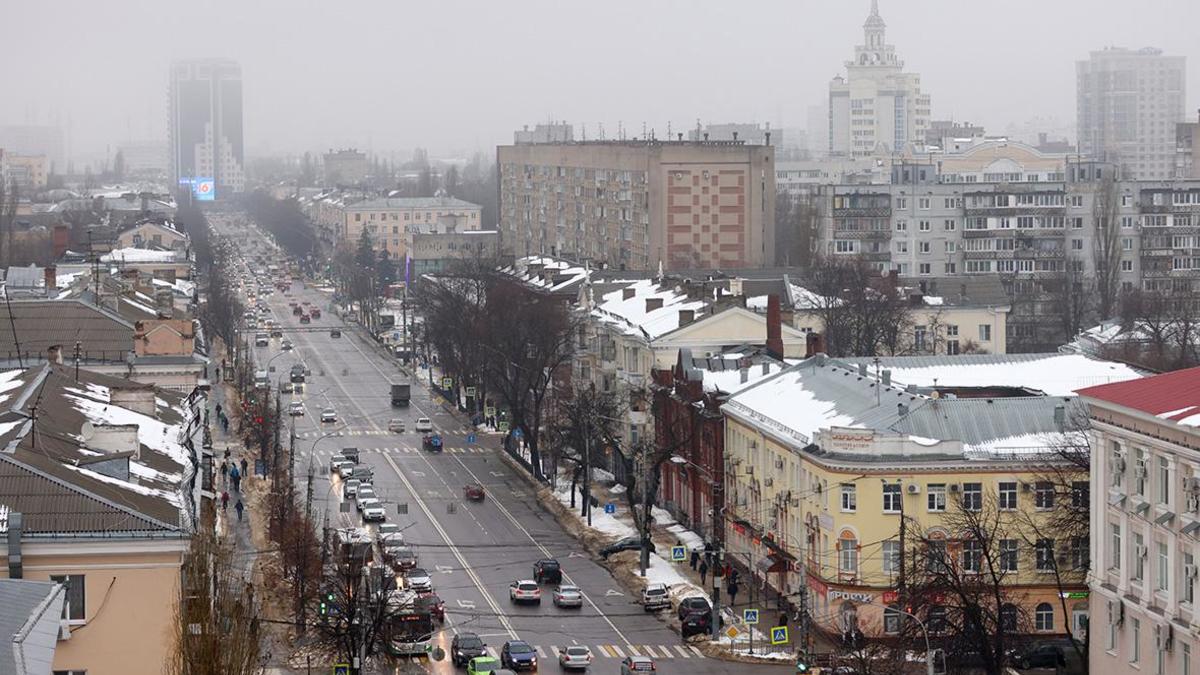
x: 232, y: 473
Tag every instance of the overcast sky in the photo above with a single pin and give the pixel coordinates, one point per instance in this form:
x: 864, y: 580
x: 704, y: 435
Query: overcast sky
x: 457, y: 76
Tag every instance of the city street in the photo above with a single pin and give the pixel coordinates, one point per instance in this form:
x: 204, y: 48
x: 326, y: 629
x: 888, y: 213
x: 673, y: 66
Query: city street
x: 472, y: 549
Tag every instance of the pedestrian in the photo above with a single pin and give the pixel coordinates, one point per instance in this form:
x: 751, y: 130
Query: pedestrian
x: 218, y: 410
x: 733, y: 591
x: 224, y: 471
x: 695, y: 559
x: 703, y: 572
x: 239, y: 508
x: 227, y: 452
x: 244, y: 465
x: 224, y: 501
x: 708, y: 558
x: 783, y: 619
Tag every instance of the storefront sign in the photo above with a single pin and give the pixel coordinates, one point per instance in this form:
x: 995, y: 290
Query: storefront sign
x: 854, y: 596
x: 850, y: 439
x: 889, y: 597
x: 1073, y: 595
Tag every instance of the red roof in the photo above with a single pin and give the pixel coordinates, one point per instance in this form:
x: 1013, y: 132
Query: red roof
x: 1173, y: 396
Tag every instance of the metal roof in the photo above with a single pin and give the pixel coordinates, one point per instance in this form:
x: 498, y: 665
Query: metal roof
x: 31, y: 608
x: 40, y: 324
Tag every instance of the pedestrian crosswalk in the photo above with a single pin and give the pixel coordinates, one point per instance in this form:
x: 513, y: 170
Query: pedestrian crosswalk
x: 404, y: 450
x: 618, y: 651
x: 377, y: 432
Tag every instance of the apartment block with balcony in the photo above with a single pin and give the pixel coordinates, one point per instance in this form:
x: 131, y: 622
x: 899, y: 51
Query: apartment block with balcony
x: 1145, y: 516
x: 390, y: 222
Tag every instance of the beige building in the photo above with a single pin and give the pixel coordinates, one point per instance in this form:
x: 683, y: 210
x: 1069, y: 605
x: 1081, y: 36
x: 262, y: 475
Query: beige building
x: 389, y: 221
x: 29, y: 172
x: 152, y: 235
x: 345, y: 167
x: 640, y: 204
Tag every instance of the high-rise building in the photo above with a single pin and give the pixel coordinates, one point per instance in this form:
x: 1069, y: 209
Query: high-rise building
x: 35, y: 139
x: 206, y: 144
x: 640, y: 203
x: 1128, y: 103
x: 877, y: 108
x: 345, y: 167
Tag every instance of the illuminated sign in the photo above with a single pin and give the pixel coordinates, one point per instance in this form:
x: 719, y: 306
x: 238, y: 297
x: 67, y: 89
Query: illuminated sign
x: 204, y: 189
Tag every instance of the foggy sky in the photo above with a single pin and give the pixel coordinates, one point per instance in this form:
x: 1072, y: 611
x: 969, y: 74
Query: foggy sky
x: 458, y: 76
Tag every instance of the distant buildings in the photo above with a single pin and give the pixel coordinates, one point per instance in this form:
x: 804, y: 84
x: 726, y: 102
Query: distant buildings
x: 637, y: 204
x: 1128, y: 103
x: 878, y: 108
x: 29, y: 172
x: 345, y: 167
x: 390, y: 221
x: 545, y: 133
x: 205, y: 127
x: 1187, y: 150
x: 34, y: 139
x: 144, y: 157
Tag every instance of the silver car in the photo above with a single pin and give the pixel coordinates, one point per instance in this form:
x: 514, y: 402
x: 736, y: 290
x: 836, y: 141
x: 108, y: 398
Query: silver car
x: 418, y: 580
x: 568, y: 596
x: 575, y: 657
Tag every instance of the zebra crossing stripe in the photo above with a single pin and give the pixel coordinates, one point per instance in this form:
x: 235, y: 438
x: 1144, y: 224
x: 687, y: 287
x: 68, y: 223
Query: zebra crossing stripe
x: 603, y: 649
x: 491, y: 651
x: 617, y: 651
x: 541, y: 652
x: 633, y: 651
x: 697, y: 652
x: 683, y: 651
x: 554, y: 649
x: 666, y: 652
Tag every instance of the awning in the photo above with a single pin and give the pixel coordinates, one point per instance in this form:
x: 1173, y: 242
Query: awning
x: 1190, y: 527
x: 771, y: 564
x: 1164, y: 518
x: 1116, y: 499
x: 1140, y: 506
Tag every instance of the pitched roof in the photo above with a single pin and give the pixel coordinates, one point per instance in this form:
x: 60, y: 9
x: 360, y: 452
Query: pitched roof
x: 29, y: 625
x: 1173, y: 396
x: 41, y: 324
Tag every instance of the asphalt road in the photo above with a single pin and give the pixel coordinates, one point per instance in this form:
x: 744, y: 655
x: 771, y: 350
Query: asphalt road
x: 473, y: 550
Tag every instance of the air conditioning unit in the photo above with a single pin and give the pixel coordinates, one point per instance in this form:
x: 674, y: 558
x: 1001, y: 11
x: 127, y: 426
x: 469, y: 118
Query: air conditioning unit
x: 954, y: 487
x: 778, y: 463
x: 1192, y: 484
x: 1189, y: 572
x: 1139, y: 551
x: 1193, y: 503
x: 769, y: 481
x: 64, y: 629
x: 913, y: 489
x: 1118, y: 464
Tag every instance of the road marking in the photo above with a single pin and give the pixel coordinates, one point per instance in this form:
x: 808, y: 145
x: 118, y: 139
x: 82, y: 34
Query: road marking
x: 617, y: 650
x: 683, y: 651
x: 466, y: 604
x: 612, y: 592
x: 542, y: 653
x: 546, y: 552
x: 697, y: 652
x: 454, y: 549
x: 444, y: 569
x: 633, y: 651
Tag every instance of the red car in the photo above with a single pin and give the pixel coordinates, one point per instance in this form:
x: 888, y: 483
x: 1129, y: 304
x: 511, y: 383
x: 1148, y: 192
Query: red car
x: 316, y: 313
x: 474, y: 492
x: 433, y: 603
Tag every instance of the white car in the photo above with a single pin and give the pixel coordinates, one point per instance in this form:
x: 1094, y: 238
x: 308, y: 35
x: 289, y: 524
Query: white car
x: 328, y: 415
x: 525, y: 591
x: 373, y: 513
x: 364, y: 501
x: 423, y: 425
x: 574, y: 657
x: 296, y: 409
x: 418, y: 580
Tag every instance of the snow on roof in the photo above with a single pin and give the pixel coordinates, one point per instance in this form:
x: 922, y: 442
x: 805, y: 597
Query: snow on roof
x: 632, y: 316
x: 9, y: 380
x: 140, y: 306
x: 1054, y: 374
x: 152, y: 433
x: 757, y: 302
x: 1023, y: 444
x: 1173, y: 396
x: 802, y: 298
x: 172, y: 496
x: 134, y: 255
x: 562, y: 273
x: 730, y: 381
x: 933, y: 300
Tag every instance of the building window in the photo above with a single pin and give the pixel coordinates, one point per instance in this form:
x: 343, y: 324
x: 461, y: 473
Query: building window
x: 1126, y: 265
x: 1135, y: 634
x: 919, y: 335
x: 891, y: 498
x: 972, y: 555
x: 901, y: 225
x: 1164, y: 480
x: 1139, y: 558
x: 923, y: 247
x: 985, y: 332
x: 848, y: 556
x: 1080, y: 494
x: 1008, y: 555
x: 1043, y: 555
x: 935, y: 556
x: 936, y: 497
x: 1186, y: 658
x: 1188, y: 586
x: 1008, y: 495
x: 1140, y: 472
x: 74, y: 609
x: 1043, y: 617
x: 923, y: 225
x: 1043, y: 494
x: 1008, y: 618
x: 1164, y: 568
x: 935, y: 619
x: 849, y: 498
x: 924, y: 269
x: 972, y: 496
x: 891, y: 556
x: 1080, y: 553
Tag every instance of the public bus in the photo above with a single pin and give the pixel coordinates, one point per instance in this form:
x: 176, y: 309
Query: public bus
x: 410, y: 628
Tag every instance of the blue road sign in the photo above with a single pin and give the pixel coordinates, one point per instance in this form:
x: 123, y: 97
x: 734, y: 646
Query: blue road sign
x: 517, y: 432
x: 341, y: 669
x: 779, y: 635
x: 470, y: 438
x: 610, y: 508
x: 678, y: 553
x: 750, y: 616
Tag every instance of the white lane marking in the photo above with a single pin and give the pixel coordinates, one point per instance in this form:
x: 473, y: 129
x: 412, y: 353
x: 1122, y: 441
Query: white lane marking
x: 697, y: 652
x: 453, y: 549
x: 683, y: 651
x: 617, y: 650
x: 388, y: 378
x: 542, y: 653
x: 545, y: 551
x: 633, y: 650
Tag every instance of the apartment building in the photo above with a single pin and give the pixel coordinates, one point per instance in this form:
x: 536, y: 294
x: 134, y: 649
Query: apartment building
x: 389, y: 221
x: 345, y: 167
x: 1145, y: 510
x: 824, y: 459
x: 640, y: 204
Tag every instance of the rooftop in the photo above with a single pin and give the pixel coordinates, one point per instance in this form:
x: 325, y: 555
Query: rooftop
x: 411, y: 203
x: 29, y: 625
x: 634, y: 315
x: 1173, y: 397
x: 141, y: 255
x: 37, y: 325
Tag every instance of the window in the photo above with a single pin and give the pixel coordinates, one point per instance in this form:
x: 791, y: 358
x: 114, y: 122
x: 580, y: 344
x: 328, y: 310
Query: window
x: 972, y: 555
x: 891, y: 619
x: 1164, y: 568
x: 1080, y: 494
x: 1127, y: 244
x: 845, y: 246
x: 1008, y: 495
x: 1080, y: 553
x: 936, y: 497
x: 923, y: 246
x: 924, y: 269
x: 1164, y: 480
x: 1186, y: 658
x: 1008, y: 555
x: 1043, y: 616
x: 1188, y: 585
x: 1043, y: 555
x: 1139, y: 472
x: 1076, y: 244
x: 951, y: 268
x: 901, y: 225
x: 1139, y: 558
x: 1114, y: 535
x: 935, y: 619
x: 923, y: 203
x: 985, y: 332
x: 935, y: 556
x: 74, y: 609
x: 901, y: 203
x: 972, y: 496
x: 902, y: 247
x: 950, y: 246
x: 848, y: 555
x: 849, y: 498
x: 1043, y: 495
x: 919, y: 335
x: 949, y: 225
x: 891, y: 498
x: 923, y: 225
x: 1008, y: 618
x: 1135, y: 633
x: 1126, y: 265
x: 891, y: 556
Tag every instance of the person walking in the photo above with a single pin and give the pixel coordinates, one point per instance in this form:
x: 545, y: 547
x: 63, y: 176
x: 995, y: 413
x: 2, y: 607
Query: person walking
x: 733, y: 591
x: 239, y: 508
x: 224, y: 501
x: 703, y: 572
x: 224, y: 471
x: 244, y: 465
x: 695, y: 559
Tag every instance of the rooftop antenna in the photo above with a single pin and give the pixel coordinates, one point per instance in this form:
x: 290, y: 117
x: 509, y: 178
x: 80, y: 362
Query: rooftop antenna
x: 602, y: 131
x: 668, y: 130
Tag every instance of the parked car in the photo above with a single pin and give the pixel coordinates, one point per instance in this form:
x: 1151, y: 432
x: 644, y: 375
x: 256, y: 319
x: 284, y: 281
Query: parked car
x: 547, y: 571
x: 625, y: 544
x: 286, y: 387
x: 518, y: 655
x: 574, y: 657
x: 305, y: 319
x: 695, y: 616
x: 656, y: 597
x: 637, y: 664
x: 464, y: 647
x: 525, y: 591
x: 568, y: 596
x: 1040, y: 655
x: 316, y: 313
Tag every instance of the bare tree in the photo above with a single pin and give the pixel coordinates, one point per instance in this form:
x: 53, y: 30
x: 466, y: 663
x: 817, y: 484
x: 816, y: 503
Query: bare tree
x: 582, y: 426
x: 862, y: 312
x: 216, y: 627
x: 1070, y: 294
x: 1106, y: 250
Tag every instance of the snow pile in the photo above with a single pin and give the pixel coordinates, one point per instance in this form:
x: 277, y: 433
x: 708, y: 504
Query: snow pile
x: 686, y: 537
x: 9, y: 380
x: 1056, y: 374
x: 152, y: 433
x: 136, y: 255
x: 601, y: 522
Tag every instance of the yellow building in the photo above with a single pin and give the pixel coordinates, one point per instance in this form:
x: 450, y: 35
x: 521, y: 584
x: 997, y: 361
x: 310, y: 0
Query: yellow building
x: 389, y: 221
x: 825, y: 459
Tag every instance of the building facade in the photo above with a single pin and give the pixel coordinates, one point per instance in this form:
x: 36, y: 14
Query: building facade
x: 205, y: 125
x: 1128, y: 103
x: 1145, y: 515
x: 877, y: 108
x: 28, y: 172
x: 390, y: 221
x: 638, y: 204
x: 345, y: 167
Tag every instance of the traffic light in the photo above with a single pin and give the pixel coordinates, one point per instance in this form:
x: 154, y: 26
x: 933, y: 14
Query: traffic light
x: 802, y: 664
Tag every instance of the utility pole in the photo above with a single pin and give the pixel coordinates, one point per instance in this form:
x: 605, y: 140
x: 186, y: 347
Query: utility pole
x: 587, y: 472
x: 716, y: 594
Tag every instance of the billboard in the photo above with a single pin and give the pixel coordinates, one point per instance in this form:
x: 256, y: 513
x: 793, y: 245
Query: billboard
x: 204, y: 189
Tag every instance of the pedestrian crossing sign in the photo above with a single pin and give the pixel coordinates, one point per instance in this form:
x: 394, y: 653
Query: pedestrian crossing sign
x: 447, y: 382
x: 502, y: 427
x: 471, y: 392
x: 779, y: 635
x: 470, y: 438
x: 678, y: 553
x: 341, y: 669
x: 750, y: 616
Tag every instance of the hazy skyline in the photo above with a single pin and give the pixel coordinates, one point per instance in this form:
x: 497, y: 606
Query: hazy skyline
x: 456, y: 77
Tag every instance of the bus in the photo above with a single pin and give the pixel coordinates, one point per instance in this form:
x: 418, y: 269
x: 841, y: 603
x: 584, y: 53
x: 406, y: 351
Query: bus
x: 410, y: 628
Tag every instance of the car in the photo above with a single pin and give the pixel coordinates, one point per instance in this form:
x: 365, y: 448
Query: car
x: 335, y: 464
x: 423, y: 425
x: 362, y: 472
x: 568, y: 596
x: 547, y: 571
x: 366, y: 491
x: 473, y: 492
x: 328, y: 416
x: 1039, y: 655
x: 432, y: 602
x: 286, y: 345
x: 625, y: 544
x: 261, y: 340
x: 395, y: 426
x: 525, y: 591
x: 346, y: 471
x: 351, y: 455
x: 637, y: 664
x: 350, y: 490
x: 574, y: 657
x: 656, y: 597
x: 296, y: 409
x: 297, y: 310
x: 316, y: 313
x: 402, y: 557
x: 482, y: 664
x: 419, y: 580
x: 373, y: 513
x: 286, y: 387
x: 305, y: 319
x: 335, y: 333
x: 276, y: 333
x: 518, y: 655
x: 306, y: 303
x: 388, y: 533
x: 465, y: 647
x: 695, y: 603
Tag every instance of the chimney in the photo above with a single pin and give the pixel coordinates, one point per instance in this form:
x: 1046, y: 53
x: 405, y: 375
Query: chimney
x: 766, y: 367
x: 902, y: 409
x: 735, y: 136
x: 774, y: 327
x: 768, y: 138
x: 862, y: 369
x: 686, y: 316
x: 706, y: 136
x: 1060, y: 415
x: 627, y: 293
x: 113, y: 438
x: 54, y: 354
x: 653, y: 304
x: 744, y: 373
x: 886, y: 377
x: 15, y: 567
x: 61, y: 240
x: 814, y: 344
x: 51, y: 275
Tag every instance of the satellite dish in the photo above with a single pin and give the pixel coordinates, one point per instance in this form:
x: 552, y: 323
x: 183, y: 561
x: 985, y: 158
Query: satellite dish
x: 87, y: 431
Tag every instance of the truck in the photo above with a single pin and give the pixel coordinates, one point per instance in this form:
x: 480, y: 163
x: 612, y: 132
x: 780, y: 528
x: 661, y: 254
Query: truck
x: 401, y: 393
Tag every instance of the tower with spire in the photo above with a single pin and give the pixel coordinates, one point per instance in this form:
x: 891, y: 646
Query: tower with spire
x: 876, y: 109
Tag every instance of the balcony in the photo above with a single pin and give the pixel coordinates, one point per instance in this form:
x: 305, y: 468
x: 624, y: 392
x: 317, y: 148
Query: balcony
x: 863, y: 212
